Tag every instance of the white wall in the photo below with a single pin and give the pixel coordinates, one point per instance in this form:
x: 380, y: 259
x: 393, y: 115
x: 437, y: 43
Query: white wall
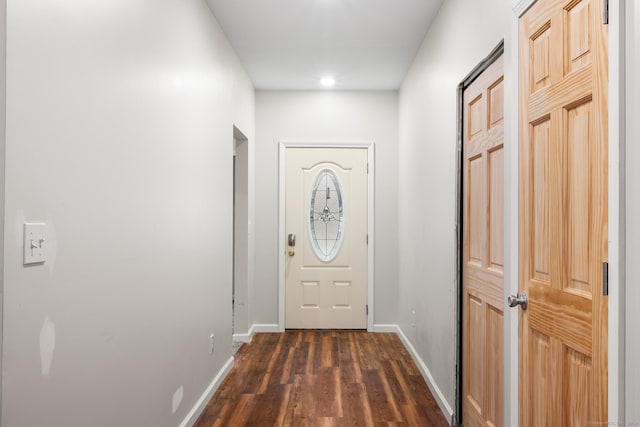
x: 3, y: 98
x: 119, y: 136
x: 461, y: 36
x: 326, y: 116
x: 632, y: 339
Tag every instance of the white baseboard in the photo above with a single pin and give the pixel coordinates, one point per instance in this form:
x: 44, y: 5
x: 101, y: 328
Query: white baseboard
x: 381, y: 328
x: 195, y: 412
x: 264, y: 328
x: 255, y: 328
x: 242, y: 337
x: 426, y: 374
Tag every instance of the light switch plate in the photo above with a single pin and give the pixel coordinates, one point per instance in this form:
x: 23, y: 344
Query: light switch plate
x: 35, y: 241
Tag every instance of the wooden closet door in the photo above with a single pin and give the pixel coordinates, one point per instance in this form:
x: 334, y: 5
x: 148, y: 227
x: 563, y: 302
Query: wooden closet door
x: 563, y: 213
x: 483, y: 222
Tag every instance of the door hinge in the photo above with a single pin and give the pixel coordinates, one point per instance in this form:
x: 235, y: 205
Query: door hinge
x: 367, y: 167
x: 605, y: 278
x: 367, y: 238
x: 605, y: 12
x: 366, y: 308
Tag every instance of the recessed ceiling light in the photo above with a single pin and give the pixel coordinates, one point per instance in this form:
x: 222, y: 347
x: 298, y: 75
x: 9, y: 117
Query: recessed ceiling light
x: 327, y: 82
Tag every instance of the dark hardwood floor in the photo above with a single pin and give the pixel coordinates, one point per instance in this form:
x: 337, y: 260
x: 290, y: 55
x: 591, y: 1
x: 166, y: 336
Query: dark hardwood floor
x: 323, y: 378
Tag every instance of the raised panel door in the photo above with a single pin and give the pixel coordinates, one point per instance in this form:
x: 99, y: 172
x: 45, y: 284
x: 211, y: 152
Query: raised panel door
x: 326, y: 267
x: 483, y: 250
x: 563, y: 213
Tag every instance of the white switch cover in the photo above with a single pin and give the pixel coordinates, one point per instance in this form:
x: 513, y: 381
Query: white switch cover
x: 35, y: 241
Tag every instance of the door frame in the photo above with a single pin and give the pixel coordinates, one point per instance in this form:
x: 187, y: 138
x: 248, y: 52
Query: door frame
x: 616, y: 207
x: 466, y: 82
x: 283, y: 146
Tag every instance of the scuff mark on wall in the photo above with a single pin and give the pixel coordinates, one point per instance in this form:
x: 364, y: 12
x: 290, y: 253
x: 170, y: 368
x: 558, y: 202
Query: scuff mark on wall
x: 47, y: 345
x: 177, y: 399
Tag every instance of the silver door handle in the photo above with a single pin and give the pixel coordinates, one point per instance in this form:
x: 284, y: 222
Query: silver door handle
x: 520, y: 299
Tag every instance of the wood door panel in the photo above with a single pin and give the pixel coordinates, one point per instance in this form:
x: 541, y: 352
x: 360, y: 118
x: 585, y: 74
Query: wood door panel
x: 539, y: 367
x: 578, y: 33
x: 494, y: 366
x: 495, y: 165
x: 496, y: 103
x: 563, y: 213
x: 475, y: 345
x: 578, y: 147
x: 476, y: 116
x: 483, y: 223
x: 576, y: 387
x: 540, y: 58
x: 476, y: 212
x: 540, y: 178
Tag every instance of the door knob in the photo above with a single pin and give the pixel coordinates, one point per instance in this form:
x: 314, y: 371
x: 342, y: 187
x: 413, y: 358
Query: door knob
x: 520, y: 299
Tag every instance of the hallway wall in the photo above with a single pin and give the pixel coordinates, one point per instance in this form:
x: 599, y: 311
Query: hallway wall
x: 461, y: 36
x: 326, y: 116
x: 119, y: 136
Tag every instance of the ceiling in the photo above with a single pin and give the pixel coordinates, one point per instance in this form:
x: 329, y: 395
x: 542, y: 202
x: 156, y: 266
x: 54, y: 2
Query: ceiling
x: 293, y: 44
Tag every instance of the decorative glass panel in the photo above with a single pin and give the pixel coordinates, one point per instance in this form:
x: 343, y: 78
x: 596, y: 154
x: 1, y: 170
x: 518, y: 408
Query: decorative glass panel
x: 326, y: 216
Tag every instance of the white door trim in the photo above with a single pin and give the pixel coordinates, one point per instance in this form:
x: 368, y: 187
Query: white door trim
x: 511, y: 199
x: 521, y: 6
x: 617, y: 112
x: 284, y: 145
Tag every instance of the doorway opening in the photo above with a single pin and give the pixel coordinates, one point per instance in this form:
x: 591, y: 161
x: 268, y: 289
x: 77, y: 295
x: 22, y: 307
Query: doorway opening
x: 240, y: 267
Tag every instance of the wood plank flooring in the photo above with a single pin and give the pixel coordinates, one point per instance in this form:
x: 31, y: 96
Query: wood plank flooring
x: 323, y: 378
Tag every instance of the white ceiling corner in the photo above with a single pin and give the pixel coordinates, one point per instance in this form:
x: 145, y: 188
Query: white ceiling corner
x: 292, y: 44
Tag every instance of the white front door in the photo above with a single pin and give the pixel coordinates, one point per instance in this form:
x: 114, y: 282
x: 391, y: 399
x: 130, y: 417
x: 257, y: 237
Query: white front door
x: 326, y: 226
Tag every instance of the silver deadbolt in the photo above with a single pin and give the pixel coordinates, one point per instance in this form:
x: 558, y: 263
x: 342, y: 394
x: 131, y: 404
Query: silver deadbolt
x: 520, y: 299
x: 291, y: 239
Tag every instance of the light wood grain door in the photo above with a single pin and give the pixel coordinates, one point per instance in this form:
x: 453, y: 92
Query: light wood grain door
x: 483, y: 222
x: 563, y: 213
x: 326, y: 210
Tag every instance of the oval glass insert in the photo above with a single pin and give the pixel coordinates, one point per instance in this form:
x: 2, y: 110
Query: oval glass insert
x: 326, y: 216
